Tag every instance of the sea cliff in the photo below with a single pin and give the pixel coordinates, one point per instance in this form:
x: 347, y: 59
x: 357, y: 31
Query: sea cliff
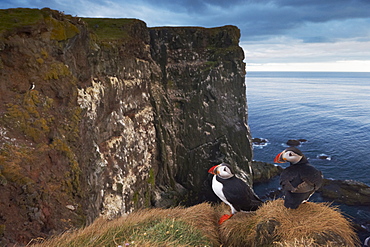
x: 99, y: 117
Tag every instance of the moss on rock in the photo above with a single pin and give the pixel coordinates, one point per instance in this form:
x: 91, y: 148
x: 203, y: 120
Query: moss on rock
x: 61, y: 30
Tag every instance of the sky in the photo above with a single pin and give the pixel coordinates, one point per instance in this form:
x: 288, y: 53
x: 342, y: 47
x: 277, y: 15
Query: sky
x: 276, y: 35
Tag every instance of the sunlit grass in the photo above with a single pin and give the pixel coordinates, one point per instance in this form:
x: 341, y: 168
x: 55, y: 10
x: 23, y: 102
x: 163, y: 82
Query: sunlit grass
x: 194, y: 226
x: 14, y: 18
x: 312, y: 224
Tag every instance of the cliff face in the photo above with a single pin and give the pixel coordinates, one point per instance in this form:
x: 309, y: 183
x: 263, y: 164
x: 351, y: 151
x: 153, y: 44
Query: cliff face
x: 121, y: 117
x: 200, y: 105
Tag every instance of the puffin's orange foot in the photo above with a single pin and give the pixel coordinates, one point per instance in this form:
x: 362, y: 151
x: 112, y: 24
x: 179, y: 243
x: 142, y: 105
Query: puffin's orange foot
x: 224, y: 217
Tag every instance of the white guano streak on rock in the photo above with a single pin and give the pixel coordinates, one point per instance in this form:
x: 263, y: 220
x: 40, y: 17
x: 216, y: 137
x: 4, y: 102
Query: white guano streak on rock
x: 116, y: 83
x: 112, y: 206
x: 102, y: 162
x: 136, y: 140
x: 90, y: 97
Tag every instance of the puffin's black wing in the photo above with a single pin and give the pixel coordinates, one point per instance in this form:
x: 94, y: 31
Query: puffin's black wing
x: 301, y: 178
x: 290, y: 178
x: 313, y: 176
x: 239, y: 194
x: 299, y: 182
x: 304, y: 187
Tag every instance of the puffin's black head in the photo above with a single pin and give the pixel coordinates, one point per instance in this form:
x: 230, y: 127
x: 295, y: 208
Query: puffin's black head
x: 222, y: 170
x: 291, y: 154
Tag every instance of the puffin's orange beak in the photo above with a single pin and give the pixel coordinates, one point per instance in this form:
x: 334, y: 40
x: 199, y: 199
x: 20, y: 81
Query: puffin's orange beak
x: 279, y: 158
x: 212, y: 170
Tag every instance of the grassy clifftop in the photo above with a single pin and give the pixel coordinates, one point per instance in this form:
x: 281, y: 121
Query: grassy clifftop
x: 111, y: 29
x: 105, y: 29
x: 14, y: 18
x: 272, y: 225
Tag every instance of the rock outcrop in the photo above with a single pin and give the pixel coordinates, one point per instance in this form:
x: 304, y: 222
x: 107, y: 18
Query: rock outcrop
x: 348, y: 192
x: 263, y: 172
x: 200, y: 105
x: 121, y: 117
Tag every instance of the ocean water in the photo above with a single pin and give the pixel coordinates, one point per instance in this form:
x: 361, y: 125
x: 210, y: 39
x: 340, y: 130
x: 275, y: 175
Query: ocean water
x: 330, y: 110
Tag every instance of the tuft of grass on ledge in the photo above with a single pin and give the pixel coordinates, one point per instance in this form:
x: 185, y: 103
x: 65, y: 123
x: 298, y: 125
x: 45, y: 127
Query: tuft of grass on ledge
x: 194, y: 226
x: 312, y: 224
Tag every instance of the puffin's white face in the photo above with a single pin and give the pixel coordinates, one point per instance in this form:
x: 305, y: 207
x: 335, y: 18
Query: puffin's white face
x: 224, y: 172
x: 291, y: 157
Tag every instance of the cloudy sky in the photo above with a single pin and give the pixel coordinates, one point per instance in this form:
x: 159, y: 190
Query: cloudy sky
x: 277, y: 35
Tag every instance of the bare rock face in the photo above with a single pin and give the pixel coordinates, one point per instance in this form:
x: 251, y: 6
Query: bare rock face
x: 120, y: 117
x: 201, y: 116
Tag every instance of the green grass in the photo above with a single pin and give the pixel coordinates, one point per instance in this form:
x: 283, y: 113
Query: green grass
x: 105, y: 29
x: 110, y: 29
x: 14, y: 18
x: 24, y: 18
x: 174, y: 232
x: 177, y: 227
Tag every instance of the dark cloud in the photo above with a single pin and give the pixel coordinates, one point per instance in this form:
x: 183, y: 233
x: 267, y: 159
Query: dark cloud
x: 194, y: 6
x: 39, y: 4
x: 257, y: 19
x: 302, y: 10
x: 265, y: 22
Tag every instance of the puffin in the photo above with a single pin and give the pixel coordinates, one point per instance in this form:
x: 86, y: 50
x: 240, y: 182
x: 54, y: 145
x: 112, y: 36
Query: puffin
x: 367, y: 242
x: 299, y: 180
x: 232, y: 191
x: 32, y: 86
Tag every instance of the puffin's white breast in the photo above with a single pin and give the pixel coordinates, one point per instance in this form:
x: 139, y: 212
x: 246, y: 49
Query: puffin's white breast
x: 217, y: 188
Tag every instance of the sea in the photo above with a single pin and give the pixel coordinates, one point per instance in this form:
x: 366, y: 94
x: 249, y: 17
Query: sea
x: 331, y: 110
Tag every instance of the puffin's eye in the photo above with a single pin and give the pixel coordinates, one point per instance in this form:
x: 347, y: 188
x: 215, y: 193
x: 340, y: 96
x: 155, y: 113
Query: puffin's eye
x: 290, y: 154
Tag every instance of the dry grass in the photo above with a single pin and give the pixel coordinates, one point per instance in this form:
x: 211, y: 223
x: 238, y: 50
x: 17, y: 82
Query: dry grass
x: 312, y: 224
x: 194, y: 226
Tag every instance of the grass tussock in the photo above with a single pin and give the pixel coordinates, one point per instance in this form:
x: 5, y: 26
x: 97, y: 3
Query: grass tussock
x: 194, y: 226
x: 312, y: 224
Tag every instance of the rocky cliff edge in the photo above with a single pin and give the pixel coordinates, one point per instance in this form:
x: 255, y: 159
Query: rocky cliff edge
x: 105, y: 116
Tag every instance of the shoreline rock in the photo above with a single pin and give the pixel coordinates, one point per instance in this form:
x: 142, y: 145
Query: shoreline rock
x: 259, y: 141
x: 295, y: 143
x: 263, y: 172
x: 349, y: 192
